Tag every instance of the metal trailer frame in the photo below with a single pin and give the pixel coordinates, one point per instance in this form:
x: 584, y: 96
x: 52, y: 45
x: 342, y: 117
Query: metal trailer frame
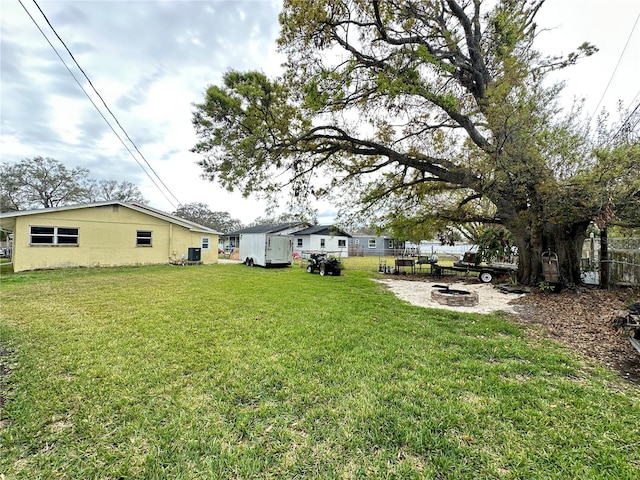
x: 486, y: 273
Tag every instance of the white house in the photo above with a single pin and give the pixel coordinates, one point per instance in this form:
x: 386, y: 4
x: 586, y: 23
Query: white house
x: 326, y: 238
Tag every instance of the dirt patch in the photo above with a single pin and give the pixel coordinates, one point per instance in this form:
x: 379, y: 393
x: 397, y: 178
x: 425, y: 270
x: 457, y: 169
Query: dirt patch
x: 581, y: 319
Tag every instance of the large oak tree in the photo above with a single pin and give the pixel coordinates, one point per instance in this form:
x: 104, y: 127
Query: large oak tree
x: 44, y: 182
x: 200, y: 213
x: 423, y: 112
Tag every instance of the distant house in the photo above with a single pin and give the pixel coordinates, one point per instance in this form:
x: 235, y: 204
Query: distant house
x: 105, y: 234
x: 231, y: 240
x: 431, y: 247
x: 369, y: 245
x: 326, y: 238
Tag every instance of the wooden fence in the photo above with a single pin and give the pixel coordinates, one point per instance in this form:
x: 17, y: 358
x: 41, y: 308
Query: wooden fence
x: 624, y: 261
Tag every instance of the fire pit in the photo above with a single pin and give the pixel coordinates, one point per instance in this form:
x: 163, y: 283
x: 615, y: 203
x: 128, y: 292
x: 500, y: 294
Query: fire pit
x: 445, y: 295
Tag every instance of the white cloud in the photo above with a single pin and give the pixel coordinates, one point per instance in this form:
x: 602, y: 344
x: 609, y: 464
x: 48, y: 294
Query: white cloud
x: 150, y: 62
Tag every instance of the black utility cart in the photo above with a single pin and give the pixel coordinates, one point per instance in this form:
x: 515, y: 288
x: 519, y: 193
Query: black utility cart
x: 323, y: 263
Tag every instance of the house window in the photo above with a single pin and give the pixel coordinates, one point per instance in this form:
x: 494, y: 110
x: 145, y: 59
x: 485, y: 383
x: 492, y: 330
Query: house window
x: 143, y: 238
x: 342, y: 243
x: 204, y: 243
x: 322, y: 243
x: 53, y: 236
x: 356, y: 241
x: 299, y: 242
x: 390, y: 243
x: 372, y: 243
x: 42, y: 235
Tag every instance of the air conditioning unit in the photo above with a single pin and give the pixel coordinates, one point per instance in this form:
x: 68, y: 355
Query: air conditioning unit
x: 194, y: 255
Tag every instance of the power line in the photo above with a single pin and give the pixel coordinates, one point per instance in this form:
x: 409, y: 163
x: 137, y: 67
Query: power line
x: 615, y: 69
x: 624, y: 123
x: 634, y: 99
x: 628, y: 118
x: 104, y: 103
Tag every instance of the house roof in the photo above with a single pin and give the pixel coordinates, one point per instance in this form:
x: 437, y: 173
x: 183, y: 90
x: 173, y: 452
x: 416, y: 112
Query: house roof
x: 196, y: 227
x: 371, y: 235
x: 133, y: 206
x: 322, y: 230
x: 266, y: 228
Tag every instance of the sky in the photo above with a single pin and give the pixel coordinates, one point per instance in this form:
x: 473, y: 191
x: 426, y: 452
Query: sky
x: 152, y: 60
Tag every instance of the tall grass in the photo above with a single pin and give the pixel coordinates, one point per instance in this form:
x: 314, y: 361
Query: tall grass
x: 235, y: 372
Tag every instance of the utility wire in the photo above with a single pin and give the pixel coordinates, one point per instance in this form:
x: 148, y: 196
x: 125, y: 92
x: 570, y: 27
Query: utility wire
x: 615, y: 69
x: 628, y: 118
x: 109, y: 110
x: 625, y: 123
x: 105, y: 105
x: 634, y: 99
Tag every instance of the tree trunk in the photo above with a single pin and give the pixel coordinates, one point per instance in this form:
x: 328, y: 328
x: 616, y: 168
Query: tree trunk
x: 564, y: 240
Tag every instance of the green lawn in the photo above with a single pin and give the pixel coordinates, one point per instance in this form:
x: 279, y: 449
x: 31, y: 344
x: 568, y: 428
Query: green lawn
x: 6, y: 268
x: 235, y: 372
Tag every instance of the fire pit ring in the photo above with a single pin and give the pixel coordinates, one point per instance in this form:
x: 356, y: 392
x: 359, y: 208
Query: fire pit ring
x: 445, y: 295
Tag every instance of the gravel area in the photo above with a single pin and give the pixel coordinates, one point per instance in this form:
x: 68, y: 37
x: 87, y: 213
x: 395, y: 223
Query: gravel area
x: 490, y: 299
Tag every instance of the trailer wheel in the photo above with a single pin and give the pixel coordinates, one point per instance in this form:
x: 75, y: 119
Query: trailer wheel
x: 250, y: 262
x: 485, y: 277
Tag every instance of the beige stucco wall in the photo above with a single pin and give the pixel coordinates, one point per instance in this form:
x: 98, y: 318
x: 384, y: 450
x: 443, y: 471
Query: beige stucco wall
x: 107, y: 237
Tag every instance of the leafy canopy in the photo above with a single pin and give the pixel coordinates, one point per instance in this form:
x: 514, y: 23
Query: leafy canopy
x: 410, y: 111
x: 41, y: 182
x: 200, y: 213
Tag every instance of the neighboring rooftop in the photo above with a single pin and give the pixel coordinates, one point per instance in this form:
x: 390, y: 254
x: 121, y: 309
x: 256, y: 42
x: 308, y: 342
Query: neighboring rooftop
x: 322, y: 230
x: 266, y: 228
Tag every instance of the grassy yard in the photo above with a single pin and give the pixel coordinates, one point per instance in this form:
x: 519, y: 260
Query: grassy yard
x: 6, y: 267
x: 235, y: 372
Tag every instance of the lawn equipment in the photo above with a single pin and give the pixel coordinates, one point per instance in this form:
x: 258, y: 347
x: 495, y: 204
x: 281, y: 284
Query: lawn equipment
x: 324, y: 264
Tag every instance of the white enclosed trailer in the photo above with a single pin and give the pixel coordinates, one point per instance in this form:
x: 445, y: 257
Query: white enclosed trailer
x: 266, y: 250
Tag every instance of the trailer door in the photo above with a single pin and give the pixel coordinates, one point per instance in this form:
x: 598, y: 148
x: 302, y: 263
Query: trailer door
x: 278, y: 249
